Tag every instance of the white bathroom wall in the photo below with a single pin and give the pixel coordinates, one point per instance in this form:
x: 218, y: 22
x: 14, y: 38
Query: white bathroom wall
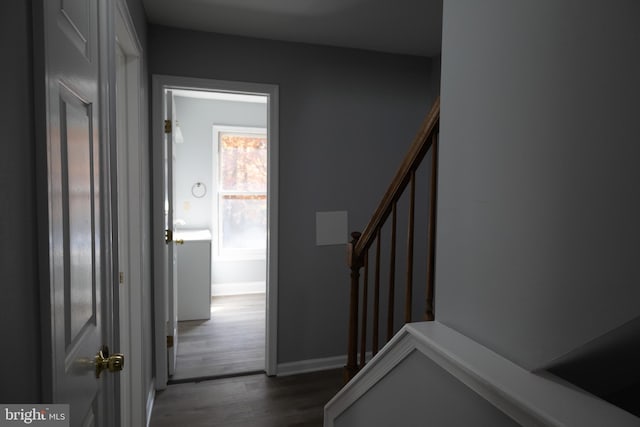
x: 194, y: 163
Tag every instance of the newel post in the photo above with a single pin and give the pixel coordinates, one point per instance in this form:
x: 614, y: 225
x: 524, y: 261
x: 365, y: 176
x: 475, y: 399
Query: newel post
x: 355, y: 264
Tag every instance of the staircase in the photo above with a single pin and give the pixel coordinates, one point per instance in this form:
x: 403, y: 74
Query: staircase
x: 403, y: 373
x: 359, y: 252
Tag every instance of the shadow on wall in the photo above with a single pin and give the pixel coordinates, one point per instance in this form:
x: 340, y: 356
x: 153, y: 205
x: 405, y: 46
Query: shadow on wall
x: 607, y: 367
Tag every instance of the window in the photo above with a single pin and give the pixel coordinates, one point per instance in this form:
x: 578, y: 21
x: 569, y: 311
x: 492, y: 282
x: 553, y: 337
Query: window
x: 242, y: 193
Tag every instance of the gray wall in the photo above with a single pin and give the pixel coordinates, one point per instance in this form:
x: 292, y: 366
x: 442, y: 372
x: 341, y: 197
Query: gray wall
x: 19, y: 304
x: 139, y: 18
x: 538, y: 228
x: 346, y: 119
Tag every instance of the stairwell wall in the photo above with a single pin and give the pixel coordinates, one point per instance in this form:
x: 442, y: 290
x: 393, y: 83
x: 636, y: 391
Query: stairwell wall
x: 537, y: 246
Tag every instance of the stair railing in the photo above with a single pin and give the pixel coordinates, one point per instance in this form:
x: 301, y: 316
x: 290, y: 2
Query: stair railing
x: 358, y: 249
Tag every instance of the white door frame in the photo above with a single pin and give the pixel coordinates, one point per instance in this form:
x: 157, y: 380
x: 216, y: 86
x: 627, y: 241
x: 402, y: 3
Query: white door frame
x: 130, y: 147
x: 159, y: 84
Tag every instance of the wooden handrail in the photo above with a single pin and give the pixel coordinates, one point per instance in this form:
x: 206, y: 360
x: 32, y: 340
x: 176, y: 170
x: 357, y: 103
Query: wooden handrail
x: 358, y: 248
x: 416, y: 153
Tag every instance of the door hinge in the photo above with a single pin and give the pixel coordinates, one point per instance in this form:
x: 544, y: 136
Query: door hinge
x: 169, y: 341
x: 168, y: 236
x: 121, y: 277
x: 167, y: 126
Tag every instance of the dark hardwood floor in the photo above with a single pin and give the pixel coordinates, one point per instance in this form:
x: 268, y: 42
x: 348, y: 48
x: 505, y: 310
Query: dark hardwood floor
x: 231, y: 342
x: 248, y: 401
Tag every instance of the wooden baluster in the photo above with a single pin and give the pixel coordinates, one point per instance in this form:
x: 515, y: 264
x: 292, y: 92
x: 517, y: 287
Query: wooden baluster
x: 429, y: 313
x: 363, y: 333
x: 376, y: 298
x: 408, y: 300
x: 405, y: 175
x: 352, y: 353
x: 392, y: 272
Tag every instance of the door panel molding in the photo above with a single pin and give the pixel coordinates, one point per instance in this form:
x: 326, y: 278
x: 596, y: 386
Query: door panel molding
x: 71, y: 24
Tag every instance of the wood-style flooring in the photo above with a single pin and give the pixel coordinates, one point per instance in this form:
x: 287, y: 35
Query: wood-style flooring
x: 231, y: 342
x: 248, y: 401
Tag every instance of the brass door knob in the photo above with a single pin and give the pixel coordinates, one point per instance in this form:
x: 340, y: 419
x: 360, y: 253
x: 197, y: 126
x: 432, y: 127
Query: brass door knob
x: 111, y: 363
x: 179, y: 242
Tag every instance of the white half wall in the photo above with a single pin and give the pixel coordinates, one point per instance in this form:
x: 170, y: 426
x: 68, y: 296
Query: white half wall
x: 429, y: 374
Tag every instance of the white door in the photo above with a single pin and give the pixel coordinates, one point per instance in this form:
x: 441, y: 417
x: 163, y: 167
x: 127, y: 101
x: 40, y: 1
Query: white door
x: 172, y: 274
x: 165, y: 270
x: 76, y: 202
x: 124, y: 230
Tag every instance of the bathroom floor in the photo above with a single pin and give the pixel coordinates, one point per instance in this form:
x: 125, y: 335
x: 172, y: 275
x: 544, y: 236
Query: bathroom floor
x: 231, y: 342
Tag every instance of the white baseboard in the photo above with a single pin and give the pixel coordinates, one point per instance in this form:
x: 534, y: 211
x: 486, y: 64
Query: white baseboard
x: 238, y: 288
x: 151, y: 398
x: 311, y: 365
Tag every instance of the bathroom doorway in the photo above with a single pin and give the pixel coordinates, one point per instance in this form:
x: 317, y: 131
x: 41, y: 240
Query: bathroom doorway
x: 220, y: 176
x: 224, y: 151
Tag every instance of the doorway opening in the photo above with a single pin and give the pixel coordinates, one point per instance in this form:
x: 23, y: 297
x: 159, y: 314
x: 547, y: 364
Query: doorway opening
x: 219, y: 260
x: 220, y: 178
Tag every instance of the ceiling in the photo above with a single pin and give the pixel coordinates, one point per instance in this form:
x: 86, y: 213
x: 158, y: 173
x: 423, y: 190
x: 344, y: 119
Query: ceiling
x: 411, y: 27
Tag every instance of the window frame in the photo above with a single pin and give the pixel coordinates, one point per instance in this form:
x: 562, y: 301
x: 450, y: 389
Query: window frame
x: 236, y: 253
